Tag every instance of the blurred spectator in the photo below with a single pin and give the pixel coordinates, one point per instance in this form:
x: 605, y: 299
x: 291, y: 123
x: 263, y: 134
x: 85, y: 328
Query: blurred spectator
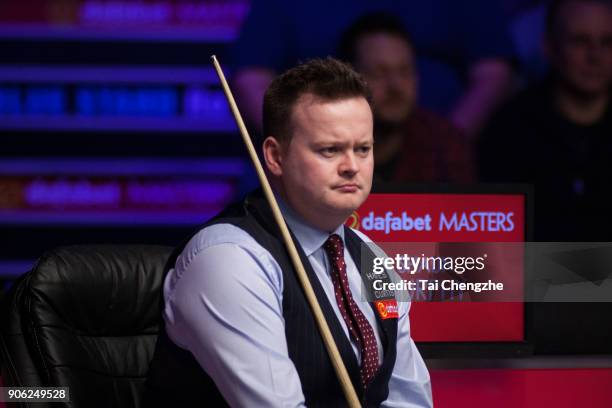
x: 463, y: 51
x: 557, y: 134
x: 411, y: 143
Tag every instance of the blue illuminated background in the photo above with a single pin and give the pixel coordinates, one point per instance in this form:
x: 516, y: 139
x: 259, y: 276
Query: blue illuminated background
x: 114, y: 128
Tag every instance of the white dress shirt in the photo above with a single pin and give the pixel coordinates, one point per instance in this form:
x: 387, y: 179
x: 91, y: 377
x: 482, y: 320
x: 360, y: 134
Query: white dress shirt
x: 224, y: 303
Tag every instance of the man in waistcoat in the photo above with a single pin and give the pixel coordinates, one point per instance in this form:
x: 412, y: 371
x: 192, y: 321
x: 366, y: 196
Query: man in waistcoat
x: 238, y: 329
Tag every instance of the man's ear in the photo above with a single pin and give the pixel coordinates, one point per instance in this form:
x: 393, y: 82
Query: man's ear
x: 272, y: 152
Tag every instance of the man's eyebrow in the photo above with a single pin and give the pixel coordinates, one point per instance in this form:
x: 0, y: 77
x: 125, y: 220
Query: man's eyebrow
x: 329, y: 143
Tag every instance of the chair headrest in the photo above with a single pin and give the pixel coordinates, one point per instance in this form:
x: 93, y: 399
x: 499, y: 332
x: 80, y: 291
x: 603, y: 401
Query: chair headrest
x: 100, y: 290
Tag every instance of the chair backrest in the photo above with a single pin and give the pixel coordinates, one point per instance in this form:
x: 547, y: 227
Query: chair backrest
x: 86, y: 317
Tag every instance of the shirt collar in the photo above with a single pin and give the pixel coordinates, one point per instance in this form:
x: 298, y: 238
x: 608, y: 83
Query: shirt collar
x: 309, y: 237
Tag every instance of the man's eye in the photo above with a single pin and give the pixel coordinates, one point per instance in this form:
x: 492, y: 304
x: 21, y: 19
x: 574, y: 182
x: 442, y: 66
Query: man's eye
x: 329, y: 150
x: 364, y: 149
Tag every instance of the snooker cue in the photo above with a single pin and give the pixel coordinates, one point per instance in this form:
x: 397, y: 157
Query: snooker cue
x: 330, y: 344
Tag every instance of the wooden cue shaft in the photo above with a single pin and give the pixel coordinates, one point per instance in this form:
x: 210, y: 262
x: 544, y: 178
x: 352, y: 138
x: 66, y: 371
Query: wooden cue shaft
x: 330, y: 344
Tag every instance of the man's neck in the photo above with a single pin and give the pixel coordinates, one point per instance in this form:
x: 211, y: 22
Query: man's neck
x: 286, y: 208
x: 580, y: 109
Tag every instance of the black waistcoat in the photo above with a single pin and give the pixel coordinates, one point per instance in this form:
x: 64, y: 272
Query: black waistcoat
x: 176, y: 379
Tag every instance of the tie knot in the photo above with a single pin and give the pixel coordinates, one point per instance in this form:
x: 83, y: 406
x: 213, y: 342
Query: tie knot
x: 334, y: 246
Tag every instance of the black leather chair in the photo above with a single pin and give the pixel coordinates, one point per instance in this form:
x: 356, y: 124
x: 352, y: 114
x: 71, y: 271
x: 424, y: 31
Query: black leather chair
x: 85, y: 317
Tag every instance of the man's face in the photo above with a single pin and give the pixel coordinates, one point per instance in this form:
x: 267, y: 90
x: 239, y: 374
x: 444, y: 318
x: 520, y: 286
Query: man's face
x: 326, y: 169
x: 387, y: 63
x: 581, y: 47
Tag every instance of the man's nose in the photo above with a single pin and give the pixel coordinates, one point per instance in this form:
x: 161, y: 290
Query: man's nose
x: 349, y: 164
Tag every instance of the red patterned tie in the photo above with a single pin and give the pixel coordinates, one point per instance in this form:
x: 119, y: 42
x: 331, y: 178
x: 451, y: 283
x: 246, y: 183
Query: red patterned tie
x: 359, y: 327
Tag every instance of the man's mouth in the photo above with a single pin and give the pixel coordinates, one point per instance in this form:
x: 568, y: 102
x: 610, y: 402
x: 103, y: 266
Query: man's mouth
x: 347, y: 188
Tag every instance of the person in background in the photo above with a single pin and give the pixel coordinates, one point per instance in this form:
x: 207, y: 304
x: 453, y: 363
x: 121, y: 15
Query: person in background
x: 412, y: 144
x: 556, y: 133
x: 464, y: 52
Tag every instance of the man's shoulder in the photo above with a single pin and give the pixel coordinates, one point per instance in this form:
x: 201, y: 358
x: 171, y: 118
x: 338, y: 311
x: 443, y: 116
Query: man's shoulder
x: 226, y: 247
x: 221, y: 234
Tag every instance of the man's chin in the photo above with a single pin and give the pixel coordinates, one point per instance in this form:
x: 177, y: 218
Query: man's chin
x: 348, y: 203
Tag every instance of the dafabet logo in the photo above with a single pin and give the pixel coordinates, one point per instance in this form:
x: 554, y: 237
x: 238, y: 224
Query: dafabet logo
x: 353, y: 220
x: 382, y: 309
x: 474, y: 221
